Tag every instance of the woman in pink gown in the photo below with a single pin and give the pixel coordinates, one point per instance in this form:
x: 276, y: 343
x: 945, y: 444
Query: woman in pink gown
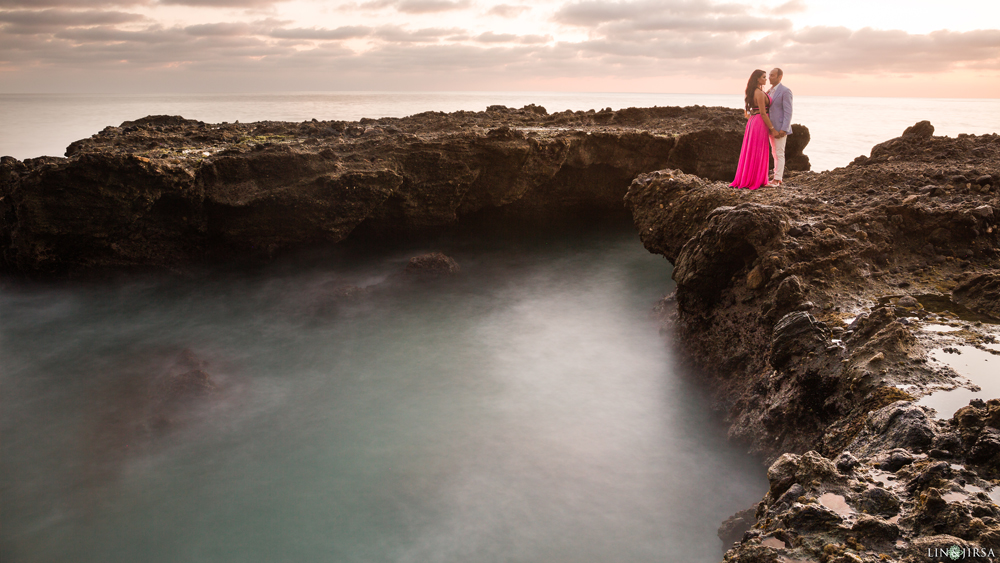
x: 751, y: 172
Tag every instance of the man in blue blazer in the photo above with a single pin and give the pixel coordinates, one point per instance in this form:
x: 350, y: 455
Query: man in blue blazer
x: 781, y: 118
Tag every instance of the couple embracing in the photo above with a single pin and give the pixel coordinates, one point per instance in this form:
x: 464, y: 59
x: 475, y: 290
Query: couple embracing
x: 768, y: 127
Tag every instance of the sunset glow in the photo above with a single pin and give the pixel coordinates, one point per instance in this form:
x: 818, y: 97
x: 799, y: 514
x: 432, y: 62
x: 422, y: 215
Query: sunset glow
x: 852, y: 48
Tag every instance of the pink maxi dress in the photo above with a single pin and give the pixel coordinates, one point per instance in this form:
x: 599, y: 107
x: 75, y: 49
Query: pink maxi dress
x: 751, y: 172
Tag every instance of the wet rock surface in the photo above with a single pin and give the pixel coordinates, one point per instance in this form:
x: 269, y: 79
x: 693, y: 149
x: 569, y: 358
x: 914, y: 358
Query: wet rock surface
x: 981, y: 293
x: 869, y: 513
x: 433, y: 264
x: 165, y: 192
x: 813, y: 310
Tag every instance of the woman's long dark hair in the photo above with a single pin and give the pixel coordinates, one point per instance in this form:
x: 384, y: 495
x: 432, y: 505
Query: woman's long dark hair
x: 751, y: 87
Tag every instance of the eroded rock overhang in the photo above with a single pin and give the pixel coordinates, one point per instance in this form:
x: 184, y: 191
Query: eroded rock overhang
x: 165, y: 191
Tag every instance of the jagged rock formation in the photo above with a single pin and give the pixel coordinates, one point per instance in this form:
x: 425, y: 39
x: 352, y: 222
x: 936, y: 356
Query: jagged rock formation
x: 891, y: 507
x: 828, y: 244
x: 165, y: 191
x: 981, y: 293
x: 789, y: 300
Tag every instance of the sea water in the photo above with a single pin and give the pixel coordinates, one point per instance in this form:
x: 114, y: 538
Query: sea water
x: 527, y: 409
x: 841, y: 128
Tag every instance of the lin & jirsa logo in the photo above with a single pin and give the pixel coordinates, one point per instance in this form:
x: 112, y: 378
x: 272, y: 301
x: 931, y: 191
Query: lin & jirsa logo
x: 955, y: 553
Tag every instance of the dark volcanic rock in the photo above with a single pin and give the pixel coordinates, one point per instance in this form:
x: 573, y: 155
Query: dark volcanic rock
x: 826, y: 516
x: 803, y: 469
x: 735, y: 526
x: 846, y: 462
x: 899, y: 425
x: 811, y: 517
x: 914, y: 136
x: 880, y: 501
x: 981, y: 293
x: 797, y: 334
x: 978, y: 434
x: 922, y: 130
x: 433, y: 264
x: 871, y: 529
x: 164, y: 191
x: 986, y: 447
x: 733, y: 239
x: 795, y: 159
x: 788, y: 297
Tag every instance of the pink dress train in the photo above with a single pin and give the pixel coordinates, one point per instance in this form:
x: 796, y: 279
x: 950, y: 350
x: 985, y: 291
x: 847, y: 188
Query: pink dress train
x: 751, y: 172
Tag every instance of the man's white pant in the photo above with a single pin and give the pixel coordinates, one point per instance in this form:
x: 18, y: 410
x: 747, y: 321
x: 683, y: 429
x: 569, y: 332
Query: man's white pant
x: 778, y: 150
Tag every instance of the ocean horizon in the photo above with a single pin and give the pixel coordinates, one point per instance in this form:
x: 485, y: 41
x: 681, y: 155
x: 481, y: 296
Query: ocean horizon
x: 841, y: 128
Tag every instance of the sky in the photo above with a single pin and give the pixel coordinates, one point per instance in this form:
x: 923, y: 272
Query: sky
x: 839, y: 48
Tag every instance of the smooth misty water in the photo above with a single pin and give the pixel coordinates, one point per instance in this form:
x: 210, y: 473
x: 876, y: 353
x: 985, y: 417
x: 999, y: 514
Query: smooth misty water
x: 841, y: 128
x: 526, y: 411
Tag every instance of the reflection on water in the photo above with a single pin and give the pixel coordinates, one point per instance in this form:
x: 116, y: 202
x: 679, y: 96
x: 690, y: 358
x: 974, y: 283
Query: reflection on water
x: 936, y: 327
x: 979, y: 366
x: 525, y: 411
x: 836, y: 503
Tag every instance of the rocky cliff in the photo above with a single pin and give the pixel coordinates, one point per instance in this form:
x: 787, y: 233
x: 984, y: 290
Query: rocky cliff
x: 165, y: 191
x: 804, y: 305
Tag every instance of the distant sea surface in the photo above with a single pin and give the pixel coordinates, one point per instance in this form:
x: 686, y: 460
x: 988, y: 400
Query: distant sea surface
x: 842, y: 128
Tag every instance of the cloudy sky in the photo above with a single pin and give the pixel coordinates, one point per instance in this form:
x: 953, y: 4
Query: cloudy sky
x: 844, y: 47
